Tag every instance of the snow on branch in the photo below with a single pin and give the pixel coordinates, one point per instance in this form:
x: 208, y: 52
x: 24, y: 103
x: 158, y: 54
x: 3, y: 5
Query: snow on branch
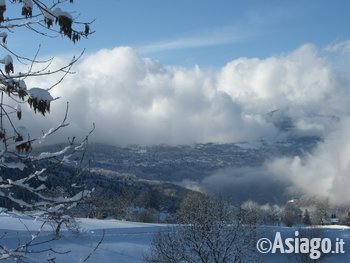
x: 50, y: 155
x: 12, y: 165
x: 61, y: 125
x: 28, y: 180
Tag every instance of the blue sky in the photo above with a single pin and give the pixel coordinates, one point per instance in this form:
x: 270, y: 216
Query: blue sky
x: 211, y: 33
x: 206, y: 32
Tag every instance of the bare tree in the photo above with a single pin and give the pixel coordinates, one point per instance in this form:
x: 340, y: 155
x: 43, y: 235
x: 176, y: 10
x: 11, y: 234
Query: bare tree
x: 24, y: 176
x: 252, y: 213
x: 321, y: 211
x: 210, y: 231
x: 292, y: 213
x: 306, y: 218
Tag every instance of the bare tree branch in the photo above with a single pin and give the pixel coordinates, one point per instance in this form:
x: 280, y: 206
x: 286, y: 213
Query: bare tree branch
x: 96, y: 247
x: 25, y: 176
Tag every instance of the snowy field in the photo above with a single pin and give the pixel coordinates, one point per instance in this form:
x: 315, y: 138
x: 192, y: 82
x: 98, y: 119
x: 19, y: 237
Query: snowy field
x: 124, y: 242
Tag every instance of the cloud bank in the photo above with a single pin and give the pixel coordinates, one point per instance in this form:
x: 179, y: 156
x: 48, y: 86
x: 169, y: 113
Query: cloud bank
x: 136, y: 100
x: 325, y: 171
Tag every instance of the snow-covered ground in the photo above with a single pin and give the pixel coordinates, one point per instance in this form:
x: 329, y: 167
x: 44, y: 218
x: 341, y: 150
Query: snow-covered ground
x: 124, y: 242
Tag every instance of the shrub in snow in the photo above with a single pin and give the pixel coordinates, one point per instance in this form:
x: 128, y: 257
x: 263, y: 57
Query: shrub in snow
x: 210, y: 231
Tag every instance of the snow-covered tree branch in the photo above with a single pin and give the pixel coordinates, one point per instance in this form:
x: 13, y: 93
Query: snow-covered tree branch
x: 25, y: 169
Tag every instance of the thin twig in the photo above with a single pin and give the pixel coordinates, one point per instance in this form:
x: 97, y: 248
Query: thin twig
x: 96, y: 247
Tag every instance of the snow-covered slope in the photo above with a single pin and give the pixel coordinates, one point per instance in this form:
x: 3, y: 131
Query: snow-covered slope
x: 124, y: 242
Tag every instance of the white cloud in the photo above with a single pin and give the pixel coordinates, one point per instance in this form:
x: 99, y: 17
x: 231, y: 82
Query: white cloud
x: 135, y: 100
x: 219, y: 36
x: 324, y: 172
x: 301, y: 77
x: 342, y: 47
